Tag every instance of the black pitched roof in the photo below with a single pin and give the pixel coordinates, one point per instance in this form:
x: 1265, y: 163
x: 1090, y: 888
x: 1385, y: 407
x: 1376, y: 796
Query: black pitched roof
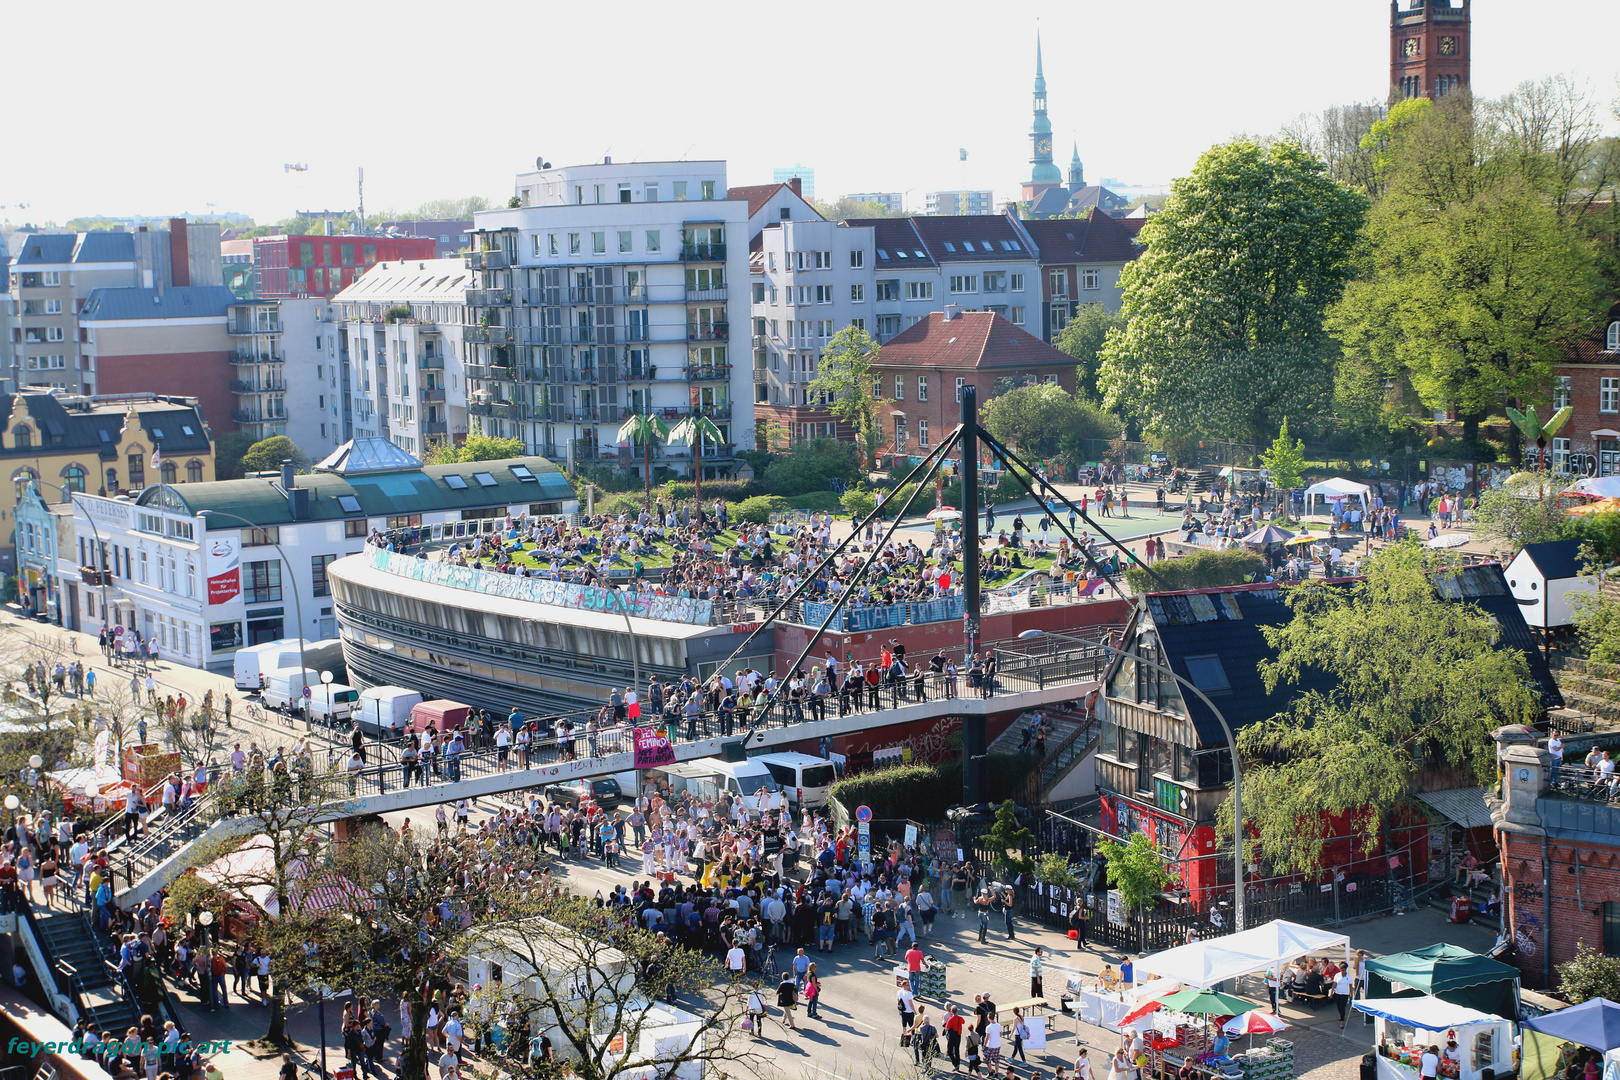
x: 1093, y: 238
x: 1556, y: 558
x: 59, y: 429
x: 1227, y: 624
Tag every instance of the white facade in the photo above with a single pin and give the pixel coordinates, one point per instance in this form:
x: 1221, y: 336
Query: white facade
x: 613, y: 290
x: 892, y: 201
x: 950, y: 203
x: 405, y: 377
x: 285, y: 374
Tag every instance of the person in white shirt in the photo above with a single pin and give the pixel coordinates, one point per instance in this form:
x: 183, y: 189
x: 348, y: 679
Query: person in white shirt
x: 736, y: 961
x: 1429, y: 1067
x: 1555, y: 748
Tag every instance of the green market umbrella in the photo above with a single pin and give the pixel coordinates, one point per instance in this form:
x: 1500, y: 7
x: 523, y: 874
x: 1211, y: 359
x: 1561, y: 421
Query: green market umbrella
x: 1205, y: 1003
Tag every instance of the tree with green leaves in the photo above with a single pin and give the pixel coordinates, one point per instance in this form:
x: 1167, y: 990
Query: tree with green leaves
x: 1137, y: 870
x: 857, y: 502
x: 695, y: 430
x: 846, y: 208
x: 1523, y: 510
x: 1082, y: 337
x: 1417, y: 681
x: 266, y: 455
x: 1225, y: 308
x: 646, y: 429
x: 1588, y: 974
x: 844, y: 382
x: 1009, y: 842
x: 1285, y: 460
x: 812, y: 465
x: 477, y: 446
x: 1472, y: 278
x: 1037, y: 420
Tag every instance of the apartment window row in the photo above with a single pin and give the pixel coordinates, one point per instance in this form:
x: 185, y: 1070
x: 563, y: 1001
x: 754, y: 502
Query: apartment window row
x: 553, y: 245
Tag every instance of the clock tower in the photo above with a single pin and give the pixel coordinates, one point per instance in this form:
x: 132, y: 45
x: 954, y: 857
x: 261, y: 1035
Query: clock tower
x: 1044, y: 175
x: 1429, y: 50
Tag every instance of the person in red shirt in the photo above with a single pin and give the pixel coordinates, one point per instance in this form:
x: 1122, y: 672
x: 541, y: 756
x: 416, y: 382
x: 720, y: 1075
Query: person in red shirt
x: 914, y: 966
x: 953, y: 1036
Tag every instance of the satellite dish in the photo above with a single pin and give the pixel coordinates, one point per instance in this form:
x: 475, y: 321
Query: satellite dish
x: 541, y: 162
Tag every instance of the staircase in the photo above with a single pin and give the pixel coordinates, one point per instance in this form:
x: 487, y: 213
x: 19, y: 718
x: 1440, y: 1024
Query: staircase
x: 1584, y: 689
x: 1073, y: 736
x: 73, y: 947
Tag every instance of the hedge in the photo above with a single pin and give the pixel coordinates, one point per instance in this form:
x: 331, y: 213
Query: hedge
x: 759, y: 509
x: 1200, y: 570
x: 924, y: 792
x: 816, y: 501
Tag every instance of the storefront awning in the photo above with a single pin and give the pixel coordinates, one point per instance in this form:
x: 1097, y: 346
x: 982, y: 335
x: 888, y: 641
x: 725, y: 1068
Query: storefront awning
x: 1462, y: 806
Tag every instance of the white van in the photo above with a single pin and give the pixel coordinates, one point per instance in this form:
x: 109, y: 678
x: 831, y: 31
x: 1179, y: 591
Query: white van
x: 709, y: 778
x: 284, y: 687
x: 332, y: 703
x: 248, y: 664
x: 807, y: 780
x: 385, y: 711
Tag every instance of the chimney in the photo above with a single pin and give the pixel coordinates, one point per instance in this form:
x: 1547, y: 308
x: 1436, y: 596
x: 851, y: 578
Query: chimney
x: 179, y: 254
x: 288, y: 477
x: 795, y: 183
x: 951, y: 311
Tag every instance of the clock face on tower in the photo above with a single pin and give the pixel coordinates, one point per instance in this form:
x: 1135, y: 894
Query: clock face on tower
x: 1448, y: 46
x: 1043, y: 145
x: 1410, y: 46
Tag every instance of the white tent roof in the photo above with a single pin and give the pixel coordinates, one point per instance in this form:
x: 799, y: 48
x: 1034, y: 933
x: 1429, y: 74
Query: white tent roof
x: 1603, y: 487
x: 1206, y: 963
x: 1427, y: 1013
x: 1338, y: 486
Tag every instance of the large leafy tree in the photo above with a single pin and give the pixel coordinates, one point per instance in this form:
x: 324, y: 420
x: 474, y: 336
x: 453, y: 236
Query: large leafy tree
x: 1415, y: 681
x: 266, y: 455
x: 1082, y: 337
x: 1225, y: 308
x: 844, y: 381
x: 1039, y: 419
x: 1285, y: 460
x: 1473, y: 275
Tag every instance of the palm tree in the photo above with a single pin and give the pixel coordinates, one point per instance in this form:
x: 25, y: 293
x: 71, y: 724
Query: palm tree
x: 1535, y: 429
x: 693, y: 430
x: 646, y: 429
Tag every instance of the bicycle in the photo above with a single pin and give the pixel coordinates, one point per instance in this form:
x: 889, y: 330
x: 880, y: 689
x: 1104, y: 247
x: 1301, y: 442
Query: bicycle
x: 770, y: 966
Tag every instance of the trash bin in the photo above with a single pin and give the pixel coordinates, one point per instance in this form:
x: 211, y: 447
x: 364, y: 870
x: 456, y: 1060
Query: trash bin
x: 1369, y: 1067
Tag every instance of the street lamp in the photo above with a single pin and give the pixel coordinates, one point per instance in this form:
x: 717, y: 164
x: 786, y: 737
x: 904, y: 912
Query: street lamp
x: 298, y: 607
x: 35, y: 763
x: 1237, y: 779
x: 205, y: 919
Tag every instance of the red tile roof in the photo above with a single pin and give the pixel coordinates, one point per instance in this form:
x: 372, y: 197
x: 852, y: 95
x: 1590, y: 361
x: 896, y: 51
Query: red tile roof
x: 1093, y: 238
x: 974, y: 339
x: 1591, y: 348
x: 758, y: 195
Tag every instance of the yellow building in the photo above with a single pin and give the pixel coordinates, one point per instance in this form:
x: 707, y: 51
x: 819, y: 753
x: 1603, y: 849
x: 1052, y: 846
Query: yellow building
x: 103, y: 446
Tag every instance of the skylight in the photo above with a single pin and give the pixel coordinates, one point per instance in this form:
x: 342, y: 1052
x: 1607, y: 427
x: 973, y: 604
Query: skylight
x: 1207, y: 673
x: 349, y: 503
x: 952, y: 247
x: 186, y: 428
x: 157, y: 433
x: 967, y: 245
x: 882, y: 254
x: 455, y: 483
x: 918, y: 253
x: 900, y: 253
x: 522, y: 473
x: 106, y: 436
x: 485, y: 479
x: 1013, y: 245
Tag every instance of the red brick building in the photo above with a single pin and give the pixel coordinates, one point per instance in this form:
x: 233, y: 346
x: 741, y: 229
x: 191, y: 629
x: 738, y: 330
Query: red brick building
x: 1589, y: 380
x: 920, y: 372
x: 1560, y: 859
x: 1429, y: 50
x: 287, y: 266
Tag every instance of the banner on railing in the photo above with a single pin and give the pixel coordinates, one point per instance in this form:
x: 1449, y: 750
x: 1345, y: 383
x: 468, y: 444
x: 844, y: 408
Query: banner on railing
x: 877, y: 618
x: 653, y: 749
x: 644, y: 605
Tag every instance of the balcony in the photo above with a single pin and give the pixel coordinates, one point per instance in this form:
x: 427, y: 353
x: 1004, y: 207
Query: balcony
x: 494, y: 259
x: 432, y: 394
x: 531, y: 297
x: 250, y: 329
x: 704, y: 252
x: 255, y: 416
x: 489, y: 297
x: 759, y: 376
x: 506, y: 372
x: 595, y: 294
x: 701, y: 334
x: 596, y: 375
x: 243, y: 386
x: 598, y: 414
x: 248, y: 357
x: 715, y: 295
x: 487, y: 335
x: 499, y: 410
x: 430, y: 363
x: 706, y: 372
x: 761, y: 341
x: 435, y: 427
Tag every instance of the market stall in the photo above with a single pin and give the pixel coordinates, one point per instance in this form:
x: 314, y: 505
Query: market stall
x: 1339, y: 490
x: 1553, y: 1041
x: 1206, y: 963
x: 1449, y: 973
x: 1405, y: 1027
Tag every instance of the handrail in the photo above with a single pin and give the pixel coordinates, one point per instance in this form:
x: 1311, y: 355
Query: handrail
x: 33, y: 942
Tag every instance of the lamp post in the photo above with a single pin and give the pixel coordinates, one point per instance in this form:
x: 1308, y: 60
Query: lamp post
x: 31, y: 774
x: 298, y: 607
x: 1237, y: 778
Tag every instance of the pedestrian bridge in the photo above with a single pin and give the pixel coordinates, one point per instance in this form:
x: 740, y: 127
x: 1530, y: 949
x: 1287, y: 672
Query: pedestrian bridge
x: 1037, y: 679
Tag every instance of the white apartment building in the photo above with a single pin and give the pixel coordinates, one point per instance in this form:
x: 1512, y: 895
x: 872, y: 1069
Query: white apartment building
x: 892, y: 201
x: 612, y: 290
x: 810, y: 279
x: 956, y: 203
x: 406, y: 382
x: 285, y: 372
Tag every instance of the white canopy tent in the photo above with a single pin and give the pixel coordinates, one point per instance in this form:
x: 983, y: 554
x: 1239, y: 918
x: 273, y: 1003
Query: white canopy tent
x: 1337, y: 489
x: 1208, y: 963
x: 1600, y: 487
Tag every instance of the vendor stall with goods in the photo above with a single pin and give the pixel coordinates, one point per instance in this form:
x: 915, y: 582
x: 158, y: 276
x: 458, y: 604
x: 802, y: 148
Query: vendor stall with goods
x: 1470, y: 1045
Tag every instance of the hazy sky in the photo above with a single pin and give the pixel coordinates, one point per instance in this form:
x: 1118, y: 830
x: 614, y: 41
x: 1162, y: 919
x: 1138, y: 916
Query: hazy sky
x: 170, y: 108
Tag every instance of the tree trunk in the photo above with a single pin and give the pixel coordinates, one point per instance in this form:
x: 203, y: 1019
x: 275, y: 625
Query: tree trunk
x: 1470, y: 429
x: 278, y: 1018
x: 697, y: 472
x: 646, y: 467
x: 413, y: 1055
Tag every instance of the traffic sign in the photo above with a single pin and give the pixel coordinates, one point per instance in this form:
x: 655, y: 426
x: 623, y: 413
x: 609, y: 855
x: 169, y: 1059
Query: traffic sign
x: 863, y: 813
x: 863, y: 842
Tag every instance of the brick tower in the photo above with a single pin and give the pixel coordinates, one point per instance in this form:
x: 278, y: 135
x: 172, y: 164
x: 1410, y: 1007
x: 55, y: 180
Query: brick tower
x: 1428, y: 48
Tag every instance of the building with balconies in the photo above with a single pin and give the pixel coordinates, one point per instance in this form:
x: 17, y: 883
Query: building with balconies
x: 286, y: 351
x: 402, y: 327
x: 612, y: 290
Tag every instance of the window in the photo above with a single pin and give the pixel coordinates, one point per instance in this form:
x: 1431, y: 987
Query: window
x: 1207, y: 674
x: 919, y: 290
x: 1561, y: 391
x: 1611, y: 928
x: 708, y: 189
x: 599, y: 243
x: 573, y: 243
x: 261, y: 537
x: 654, y: 241
x: 922, y: 388
x: 317, y: 574
x: 54, y: 277
x: 137, y: 470
x: 1059, y: 281
x: 485, y: 479
x: 348, y: 504
x: 1090, y: 279
x: 53, y: 333
x: 857, y: 294
x: 1613, y: 341
x: 75, y: 478
x: 261, y: 581
x: 112, y: 481
x: 888, y: 290
x: 599, y: 191
x: 169, y: 472
x: 23, y: 438
x: 551, y: 243
x: 1560, y: 455
x: 1016, y: 316
x: 354, y: 528
x: 857, y: 259
x: 922, y: 434
x: 959, y: 384
x: 1015, y: 282
x: 759, y: 292
x: 996, y: 282
x: 899, y: 388
x: 680, y: 190
x: 624, y: 238
x: 964, y: 283
x: 859, y: 324
x: 652, y: 193
x: 1609, y: 395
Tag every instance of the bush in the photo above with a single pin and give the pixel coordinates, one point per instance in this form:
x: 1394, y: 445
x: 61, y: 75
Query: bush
x: 857, y: 502
x: 1203, y: 570
x: 924, y: 792
x: 1008, y: 489
x: 625, y: 502
x: 1589, y: 974
x: 758, y: 510
x: 817, y: 502
x: 811, y: 466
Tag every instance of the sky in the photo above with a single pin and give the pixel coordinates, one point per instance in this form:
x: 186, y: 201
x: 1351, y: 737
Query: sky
x: 190, y: 108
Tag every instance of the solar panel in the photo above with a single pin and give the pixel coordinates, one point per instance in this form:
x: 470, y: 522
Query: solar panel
x: 455, y: 483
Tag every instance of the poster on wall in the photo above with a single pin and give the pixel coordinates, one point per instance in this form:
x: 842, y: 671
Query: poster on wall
x: 1116, y: 909
x: 224, y: 569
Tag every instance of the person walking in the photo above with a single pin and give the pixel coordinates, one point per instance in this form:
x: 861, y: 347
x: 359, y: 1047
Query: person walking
x: 1077, y: 923
x: 787, y: 999
x: 812, y: 994
x: 1341, y: 993
x: 1036, y: 964
x: 953, y: 1036
x: 1020, y: 1032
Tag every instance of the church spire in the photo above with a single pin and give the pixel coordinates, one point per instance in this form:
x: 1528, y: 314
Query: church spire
x: 1043, y: 171
x: 1077, y: 171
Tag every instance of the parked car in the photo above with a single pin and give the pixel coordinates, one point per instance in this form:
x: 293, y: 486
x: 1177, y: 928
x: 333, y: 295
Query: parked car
x: 605, y: 791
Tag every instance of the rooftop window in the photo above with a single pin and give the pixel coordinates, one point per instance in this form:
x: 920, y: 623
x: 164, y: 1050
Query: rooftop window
x: 349, y: 503
x: 455, y: 483
x: 485, y: 479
